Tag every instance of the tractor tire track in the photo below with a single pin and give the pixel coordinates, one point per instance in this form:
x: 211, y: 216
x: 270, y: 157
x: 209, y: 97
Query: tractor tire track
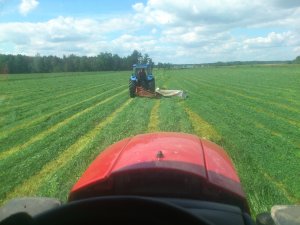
x: 54, y: 128
x: 30, y: 186
x: 154, y: 118
x: 201, y: 127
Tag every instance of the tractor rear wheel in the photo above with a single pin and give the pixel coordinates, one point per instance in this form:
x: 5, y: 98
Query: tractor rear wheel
x: 151, y: 85
x: 132, y: 88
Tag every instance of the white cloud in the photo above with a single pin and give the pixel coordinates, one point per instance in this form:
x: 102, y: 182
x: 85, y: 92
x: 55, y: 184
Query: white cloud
x: 273, y: 40
x: 129, y: 42
x: 218, y: 14
x: 139, y: 7
x: 27, y: 5
x: 286, y: 3
x: 67, y: 35
x: 297, y: 50
x: 170, y: 31
x: 205, y: 27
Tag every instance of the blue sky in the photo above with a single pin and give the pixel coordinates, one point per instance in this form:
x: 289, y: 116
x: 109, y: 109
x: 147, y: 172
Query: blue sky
x: 176, y: 31
x: 47, y: 9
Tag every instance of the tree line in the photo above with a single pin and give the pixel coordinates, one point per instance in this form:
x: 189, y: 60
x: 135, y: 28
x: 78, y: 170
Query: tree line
x: 13, y: 64
x: 231, y: 63
x: 297, y: 60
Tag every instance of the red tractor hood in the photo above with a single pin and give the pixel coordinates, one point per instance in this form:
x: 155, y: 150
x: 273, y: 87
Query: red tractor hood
x: 163, y: 164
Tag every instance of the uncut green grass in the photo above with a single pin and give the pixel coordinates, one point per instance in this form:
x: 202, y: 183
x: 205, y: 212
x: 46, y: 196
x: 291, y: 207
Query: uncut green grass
x: 255, y: 109
x: 254, y: 149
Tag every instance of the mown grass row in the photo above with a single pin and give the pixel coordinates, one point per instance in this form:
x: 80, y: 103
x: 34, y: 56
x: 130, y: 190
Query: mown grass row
x: 258, y: 99
x: 28, y: 103
x: 60, y: 107
x: 21, y: 132
x: 39, y: 103
x: 268, y: 116
x: 270, y: 113
x: 31, y: 185
x: 55, y: 127
x: 30, y: 144
x: 245, y: 146
x: 251, y: 111
x: 30, y: 84
x: 34, y: 156
x: 54, y: 87
x: 258, y: 83
x: 263, y: 144
x: 14, y: 120
x: 123, y: 125
x: 37, y: 88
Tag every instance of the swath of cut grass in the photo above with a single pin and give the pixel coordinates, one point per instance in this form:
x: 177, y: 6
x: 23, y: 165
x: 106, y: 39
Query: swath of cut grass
x: 33, y: 158
x: 124, y: 125
x: 202, y: 128
x: 252, y: 145
x: 30, y: 186
x: 45, y: 99
x: 52, y: 129
x: 281, y: 187
x: 40, y: 119
x: 254, y: 110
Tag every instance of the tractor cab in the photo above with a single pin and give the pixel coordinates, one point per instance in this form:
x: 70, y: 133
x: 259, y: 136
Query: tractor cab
x: 141, y: 80
x: 142, y: 68
x: 139, y: 67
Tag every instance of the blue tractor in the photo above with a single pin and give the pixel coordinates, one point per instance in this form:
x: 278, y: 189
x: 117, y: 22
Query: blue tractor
x: 142, y: 81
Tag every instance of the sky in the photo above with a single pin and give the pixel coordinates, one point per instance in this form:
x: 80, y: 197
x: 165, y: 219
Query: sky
x: 174, y: 31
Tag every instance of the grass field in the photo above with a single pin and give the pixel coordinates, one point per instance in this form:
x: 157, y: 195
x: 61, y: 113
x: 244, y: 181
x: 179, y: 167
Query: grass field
x: 53, y: 125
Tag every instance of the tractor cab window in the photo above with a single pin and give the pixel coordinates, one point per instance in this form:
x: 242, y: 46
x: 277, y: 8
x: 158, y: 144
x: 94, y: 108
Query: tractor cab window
x: 149, y: 70
x: 142, y: 68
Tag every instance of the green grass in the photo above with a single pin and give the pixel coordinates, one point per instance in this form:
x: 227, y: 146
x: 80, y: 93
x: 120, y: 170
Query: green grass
x: 53, y: 125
